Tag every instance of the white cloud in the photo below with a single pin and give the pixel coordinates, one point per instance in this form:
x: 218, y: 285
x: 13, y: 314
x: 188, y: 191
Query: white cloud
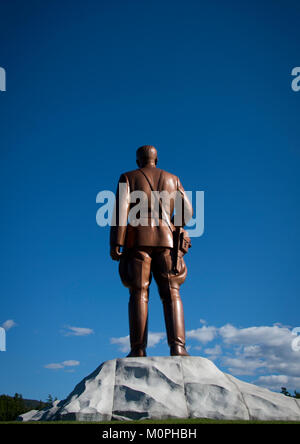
x: 242, y: 365
x: 267, y: 347
x: 124, y: 343
x: 272, y: 336
x: 252, y: 350
x: 275, y: 382
x: 213, y: 352
x: 155, y: 338
x: 70, y: 363
x: 59, y: 365
x: 8, y: 324
x: 54, y: 366
x: 78, y: 331
x: 203, y: 334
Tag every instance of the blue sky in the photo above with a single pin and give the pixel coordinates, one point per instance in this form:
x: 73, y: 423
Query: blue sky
x: 209, y: 84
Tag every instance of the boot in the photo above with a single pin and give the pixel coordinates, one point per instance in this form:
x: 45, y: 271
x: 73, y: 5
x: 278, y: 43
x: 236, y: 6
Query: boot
x: 138, y: 323
x: 174, y: 319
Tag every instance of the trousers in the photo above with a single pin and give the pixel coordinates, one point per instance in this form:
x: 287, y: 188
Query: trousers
x: 136, y: 268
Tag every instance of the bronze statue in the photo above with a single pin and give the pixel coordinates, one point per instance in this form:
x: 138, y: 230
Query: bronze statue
x: 153, y: 247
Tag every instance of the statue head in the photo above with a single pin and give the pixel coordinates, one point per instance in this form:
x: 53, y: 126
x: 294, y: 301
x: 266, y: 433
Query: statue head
x: 146, y: 155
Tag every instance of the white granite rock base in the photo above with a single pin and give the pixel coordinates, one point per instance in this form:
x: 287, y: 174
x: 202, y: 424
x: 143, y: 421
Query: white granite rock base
x: 166, y: 387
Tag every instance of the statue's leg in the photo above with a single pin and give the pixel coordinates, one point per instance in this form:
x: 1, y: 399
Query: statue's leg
x: 139, y: 269
x: 168, y: 286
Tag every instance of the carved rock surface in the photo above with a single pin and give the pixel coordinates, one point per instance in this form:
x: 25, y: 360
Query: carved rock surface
x: 166, y: 387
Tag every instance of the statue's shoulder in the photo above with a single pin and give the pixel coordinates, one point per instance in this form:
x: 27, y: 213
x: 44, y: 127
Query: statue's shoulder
x: 131, y: 174
x: 168, y: 175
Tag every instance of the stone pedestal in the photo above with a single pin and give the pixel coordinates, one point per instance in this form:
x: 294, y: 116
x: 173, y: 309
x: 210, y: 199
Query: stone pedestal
x: 166, y: 387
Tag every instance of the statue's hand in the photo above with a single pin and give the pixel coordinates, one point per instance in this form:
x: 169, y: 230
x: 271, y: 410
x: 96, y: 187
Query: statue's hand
x: 115, y: 253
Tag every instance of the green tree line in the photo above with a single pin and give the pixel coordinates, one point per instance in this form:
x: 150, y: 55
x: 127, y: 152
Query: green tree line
x: 13, y: 406
x: 285, y: 392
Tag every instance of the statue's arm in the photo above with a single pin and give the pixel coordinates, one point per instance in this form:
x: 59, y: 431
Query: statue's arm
x: 121, y: 209
x: 187, y: 209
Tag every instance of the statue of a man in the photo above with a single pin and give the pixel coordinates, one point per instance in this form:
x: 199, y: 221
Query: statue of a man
x: 148, y: 248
